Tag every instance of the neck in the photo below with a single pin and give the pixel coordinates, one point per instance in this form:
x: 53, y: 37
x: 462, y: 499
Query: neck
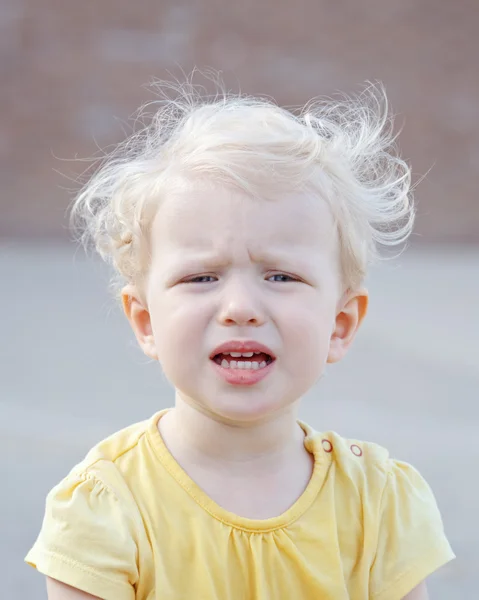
x: 210, y: 439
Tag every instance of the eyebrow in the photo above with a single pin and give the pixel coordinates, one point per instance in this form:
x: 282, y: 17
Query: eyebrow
x: 214, y: 260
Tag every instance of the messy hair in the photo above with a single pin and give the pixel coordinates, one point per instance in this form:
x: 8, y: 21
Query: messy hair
x: 341, y: 150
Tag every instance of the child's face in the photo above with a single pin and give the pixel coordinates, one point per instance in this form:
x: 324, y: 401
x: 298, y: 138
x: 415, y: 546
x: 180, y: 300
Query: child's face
x: 227, y: 268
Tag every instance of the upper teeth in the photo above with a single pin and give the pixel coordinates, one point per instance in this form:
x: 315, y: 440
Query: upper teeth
x: 239, y: 354
x: 243, y: 364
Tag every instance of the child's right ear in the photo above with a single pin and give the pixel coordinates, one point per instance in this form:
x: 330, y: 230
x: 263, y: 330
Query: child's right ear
x: 138, y: 315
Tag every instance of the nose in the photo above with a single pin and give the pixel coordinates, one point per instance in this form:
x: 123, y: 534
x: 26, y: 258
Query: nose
x: 241, y: 306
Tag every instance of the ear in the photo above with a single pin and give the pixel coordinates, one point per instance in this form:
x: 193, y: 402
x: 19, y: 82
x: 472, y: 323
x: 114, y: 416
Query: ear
x: 136, y: 312
x: 351, y: 312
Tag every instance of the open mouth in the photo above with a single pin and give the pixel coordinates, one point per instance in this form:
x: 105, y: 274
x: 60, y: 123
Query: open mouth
x: 243, y: 360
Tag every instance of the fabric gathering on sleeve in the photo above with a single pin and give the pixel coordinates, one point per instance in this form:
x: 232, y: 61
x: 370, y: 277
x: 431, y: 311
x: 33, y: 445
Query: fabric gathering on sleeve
x: 86, y: 539
x: 411, y: 539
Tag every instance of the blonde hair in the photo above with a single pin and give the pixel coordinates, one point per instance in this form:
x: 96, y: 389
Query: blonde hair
x: 341, y: 150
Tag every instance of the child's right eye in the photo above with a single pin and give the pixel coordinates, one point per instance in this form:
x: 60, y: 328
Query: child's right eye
x: 201, y: 279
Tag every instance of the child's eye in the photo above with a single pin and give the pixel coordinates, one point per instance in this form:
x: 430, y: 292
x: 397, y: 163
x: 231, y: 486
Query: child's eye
x: 281, y: 278
x: 201, y: 279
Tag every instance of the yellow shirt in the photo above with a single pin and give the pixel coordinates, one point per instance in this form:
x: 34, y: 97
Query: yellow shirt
x: 128, y: 523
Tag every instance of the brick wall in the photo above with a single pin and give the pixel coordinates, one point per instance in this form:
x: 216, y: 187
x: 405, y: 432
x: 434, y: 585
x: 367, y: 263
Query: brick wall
x: 71, y: 72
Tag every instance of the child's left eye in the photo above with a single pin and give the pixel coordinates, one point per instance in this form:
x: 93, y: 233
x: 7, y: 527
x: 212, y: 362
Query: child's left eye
x: 282, y: 278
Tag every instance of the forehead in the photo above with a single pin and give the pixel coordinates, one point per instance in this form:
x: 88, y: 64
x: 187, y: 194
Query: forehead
x: 225, y: 219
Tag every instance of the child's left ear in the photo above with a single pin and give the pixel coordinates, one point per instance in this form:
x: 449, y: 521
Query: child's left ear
x: 352, y: 310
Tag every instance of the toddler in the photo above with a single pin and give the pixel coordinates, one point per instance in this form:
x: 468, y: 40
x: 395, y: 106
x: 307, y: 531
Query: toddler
x: 241, y: 233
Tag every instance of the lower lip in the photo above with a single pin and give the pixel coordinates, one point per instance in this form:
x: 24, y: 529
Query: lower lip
x: 242, y: 376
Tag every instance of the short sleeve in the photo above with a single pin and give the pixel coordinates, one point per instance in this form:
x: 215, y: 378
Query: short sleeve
x: 86, y: 540
x: 411, y: 540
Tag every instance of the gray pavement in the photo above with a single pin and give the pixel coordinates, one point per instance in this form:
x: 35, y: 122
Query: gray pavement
x: 70, y: 374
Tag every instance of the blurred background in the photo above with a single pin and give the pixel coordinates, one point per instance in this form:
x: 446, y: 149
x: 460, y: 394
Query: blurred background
x: 72, y: 73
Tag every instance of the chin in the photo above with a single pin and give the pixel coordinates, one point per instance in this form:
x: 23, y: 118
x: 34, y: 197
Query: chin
x: 245, y: 409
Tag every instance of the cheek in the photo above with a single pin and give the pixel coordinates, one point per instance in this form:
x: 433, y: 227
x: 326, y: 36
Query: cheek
x: 178, y: 329
x: 308, y: 339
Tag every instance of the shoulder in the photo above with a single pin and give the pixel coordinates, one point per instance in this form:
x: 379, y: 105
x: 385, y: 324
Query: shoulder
x: 117, y: 444
x: 365, y: 467
x: 101, y: 483
x: 391, y: 493
x: 356, y: 459
x: 93, y: 534
x: 112, y: 461
x: 95, y: 505
x: 385, y: 511
x: 350, y: 451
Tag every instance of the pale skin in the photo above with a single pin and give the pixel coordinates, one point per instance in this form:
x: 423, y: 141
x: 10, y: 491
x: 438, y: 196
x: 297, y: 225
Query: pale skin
x: 225, y: 267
